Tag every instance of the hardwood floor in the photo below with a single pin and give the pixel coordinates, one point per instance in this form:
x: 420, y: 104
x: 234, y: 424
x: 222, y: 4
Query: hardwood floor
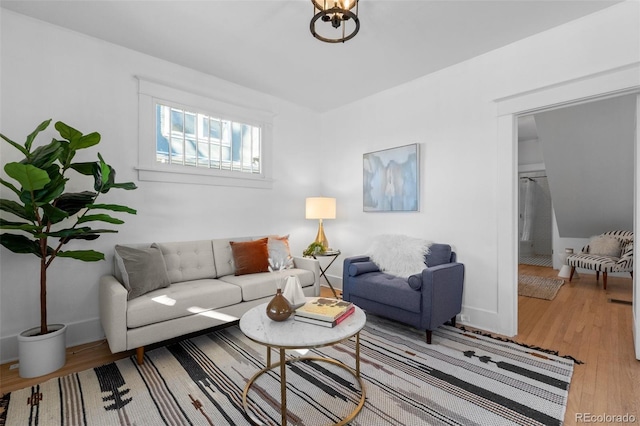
x: 580, y: 322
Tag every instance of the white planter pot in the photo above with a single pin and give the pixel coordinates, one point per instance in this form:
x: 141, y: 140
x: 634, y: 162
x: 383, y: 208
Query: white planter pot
x: 42, y: 354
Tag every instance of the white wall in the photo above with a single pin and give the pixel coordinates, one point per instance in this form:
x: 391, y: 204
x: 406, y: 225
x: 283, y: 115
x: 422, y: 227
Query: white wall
x: 465, y: 200
x: 49, y: 72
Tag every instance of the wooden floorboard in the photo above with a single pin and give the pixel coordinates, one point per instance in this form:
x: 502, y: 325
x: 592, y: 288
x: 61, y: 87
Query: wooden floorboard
x: 579, y: 322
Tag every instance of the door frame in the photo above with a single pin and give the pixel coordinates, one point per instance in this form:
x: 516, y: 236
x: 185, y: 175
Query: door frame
x: 616, y: 82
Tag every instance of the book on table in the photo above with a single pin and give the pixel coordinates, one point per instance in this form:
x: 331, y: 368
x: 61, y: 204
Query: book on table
x: 323, y: 308
x: 324, y: 323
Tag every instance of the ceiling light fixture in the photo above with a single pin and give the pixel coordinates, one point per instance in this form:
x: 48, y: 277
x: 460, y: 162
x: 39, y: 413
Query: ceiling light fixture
x: 339, y: 13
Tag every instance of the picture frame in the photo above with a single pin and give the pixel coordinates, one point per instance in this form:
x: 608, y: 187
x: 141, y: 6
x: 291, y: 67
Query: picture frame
x: 391, y: 179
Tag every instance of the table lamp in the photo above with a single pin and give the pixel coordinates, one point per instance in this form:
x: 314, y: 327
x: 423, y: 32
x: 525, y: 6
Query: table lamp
x: 320, y: 208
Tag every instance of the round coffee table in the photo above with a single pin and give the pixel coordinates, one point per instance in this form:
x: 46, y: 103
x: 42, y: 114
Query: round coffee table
x: 292, y: 334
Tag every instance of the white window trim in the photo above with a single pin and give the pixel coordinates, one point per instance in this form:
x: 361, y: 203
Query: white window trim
x: 150, y: 93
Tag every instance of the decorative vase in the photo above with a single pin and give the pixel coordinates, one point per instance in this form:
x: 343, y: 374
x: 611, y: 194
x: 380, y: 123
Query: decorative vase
x: 293, y: 292
x: 279, y: 308
x: 41, y: 354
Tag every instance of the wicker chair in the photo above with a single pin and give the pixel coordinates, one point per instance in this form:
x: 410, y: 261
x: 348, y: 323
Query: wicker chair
x: 608, y: 252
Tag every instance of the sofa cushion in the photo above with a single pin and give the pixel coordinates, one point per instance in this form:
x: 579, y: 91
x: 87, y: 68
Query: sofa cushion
x: 250, y: 257
x: 189, y: 260
x: 142, y: 269
x: 359, y: 268
x: 399, y: 255
x: 386, y: 289
x: 439, y: 254
x: 257, y: 286
x: 279, y: 251
x: 180, y: 300
x: 223, y: 256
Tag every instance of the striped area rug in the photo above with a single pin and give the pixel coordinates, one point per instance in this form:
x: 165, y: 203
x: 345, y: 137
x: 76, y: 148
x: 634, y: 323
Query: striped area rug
x: 461, y: 379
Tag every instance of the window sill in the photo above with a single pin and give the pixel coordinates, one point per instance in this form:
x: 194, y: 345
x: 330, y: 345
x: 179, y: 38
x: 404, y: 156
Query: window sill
x: 202, y: 177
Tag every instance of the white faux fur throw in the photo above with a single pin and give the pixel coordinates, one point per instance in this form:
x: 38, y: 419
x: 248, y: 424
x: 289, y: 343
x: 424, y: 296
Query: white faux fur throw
x: 399, y: 255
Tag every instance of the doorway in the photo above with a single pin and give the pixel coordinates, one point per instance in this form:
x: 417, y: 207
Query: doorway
x: 616, y: 82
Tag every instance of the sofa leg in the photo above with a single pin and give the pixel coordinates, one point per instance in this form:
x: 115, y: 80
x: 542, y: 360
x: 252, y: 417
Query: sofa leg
x: 140, y: 355
x: 604, y: 280
x: 428, y: 337
x: 453, y: 321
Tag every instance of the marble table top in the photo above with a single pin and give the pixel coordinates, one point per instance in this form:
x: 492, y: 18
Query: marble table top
x: 292, y: 334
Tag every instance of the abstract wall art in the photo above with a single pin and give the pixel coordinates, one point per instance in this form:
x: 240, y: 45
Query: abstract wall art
x: 391, y: 179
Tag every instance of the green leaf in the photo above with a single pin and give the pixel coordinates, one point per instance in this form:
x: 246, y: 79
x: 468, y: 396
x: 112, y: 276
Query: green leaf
x: 89, y: 235
x: 43, y: 156
x: 47, y: 194
x: 20, y: 244
x: 69, y: 232
x: 85, y: 141
x: 73, y: 202
x: 79, y: 233
x: 14, y: 208
x: 113, y: 207
x: 33, y: 134
x: 30, y: 177
x: 10, y: 186
x: 84, y: 255
x: 53, y: 214
x: 65, y: 155
x: 29, y: 227
x: 83, y: 168
x: 106, y: 176
x: 126, y: 185
x: 16, y: 145
x: 101, y: 218
x: 67, y: 132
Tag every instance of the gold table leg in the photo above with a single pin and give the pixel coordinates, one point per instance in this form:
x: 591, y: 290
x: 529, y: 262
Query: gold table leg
x: 268, y: 356
x: 358, y: 355
x: 283, y: 382
x: 283, y: 388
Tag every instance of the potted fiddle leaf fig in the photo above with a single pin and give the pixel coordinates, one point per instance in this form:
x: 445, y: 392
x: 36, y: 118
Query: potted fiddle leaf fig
x: 43, y: 219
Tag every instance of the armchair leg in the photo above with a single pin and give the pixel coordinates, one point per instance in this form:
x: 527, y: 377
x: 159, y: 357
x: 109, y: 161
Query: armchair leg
x: 140, y: 355
x: 428, y: 337
x: 573, y: 269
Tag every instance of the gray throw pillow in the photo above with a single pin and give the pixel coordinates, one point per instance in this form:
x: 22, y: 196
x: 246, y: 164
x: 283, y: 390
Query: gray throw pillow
x: 143, y: 270
x: 605, y: 245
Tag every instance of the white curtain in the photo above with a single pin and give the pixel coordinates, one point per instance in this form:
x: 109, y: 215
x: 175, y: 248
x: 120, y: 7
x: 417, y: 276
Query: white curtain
x: 529, y: 212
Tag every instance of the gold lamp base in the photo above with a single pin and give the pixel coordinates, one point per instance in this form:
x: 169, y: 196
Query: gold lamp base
x: 320, y: 237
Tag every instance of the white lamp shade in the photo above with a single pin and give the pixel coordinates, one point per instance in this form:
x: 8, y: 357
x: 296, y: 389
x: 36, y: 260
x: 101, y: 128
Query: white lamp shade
x: 320, y: 208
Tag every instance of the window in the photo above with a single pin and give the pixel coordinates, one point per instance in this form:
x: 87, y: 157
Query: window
x: 189, y: 138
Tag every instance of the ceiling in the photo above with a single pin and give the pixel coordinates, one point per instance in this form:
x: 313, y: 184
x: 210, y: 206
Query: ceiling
x: 267, y: 46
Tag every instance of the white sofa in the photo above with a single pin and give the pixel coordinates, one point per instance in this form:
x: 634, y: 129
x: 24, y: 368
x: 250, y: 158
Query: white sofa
x: 203, y: 293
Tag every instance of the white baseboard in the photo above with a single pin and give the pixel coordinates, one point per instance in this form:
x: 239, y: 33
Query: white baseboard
x: 335, y: 281
x: 484, y: 320
x: 77, y: 334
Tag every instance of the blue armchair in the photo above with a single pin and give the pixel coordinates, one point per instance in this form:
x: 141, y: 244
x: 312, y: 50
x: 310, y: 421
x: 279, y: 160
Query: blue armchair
x: 424, y: 301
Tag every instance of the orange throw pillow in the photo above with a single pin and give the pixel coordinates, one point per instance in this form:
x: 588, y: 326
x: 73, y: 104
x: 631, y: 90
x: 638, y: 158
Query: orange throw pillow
x: 250, y: 257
